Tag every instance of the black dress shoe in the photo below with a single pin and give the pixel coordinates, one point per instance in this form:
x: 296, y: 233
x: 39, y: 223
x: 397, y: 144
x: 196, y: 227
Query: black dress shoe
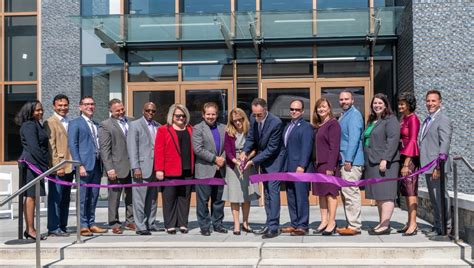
x: 221, y: 230
x: 171, y: 231
x: 183, y: 230
x: 270, y: 234
x: 236, y: 232
x: 156, y: 229
x: 58, y: 234
x: 261, y: 231
x: 143, y: 232
x: 205, y: 232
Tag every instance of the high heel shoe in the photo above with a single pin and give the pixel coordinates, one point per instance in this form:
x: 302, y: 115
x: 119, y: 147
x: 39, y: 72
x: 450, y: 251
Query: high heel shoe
x: 384, y: 232
x: 247, y: 229
x: 333, y: 231
x: 412, y: 233
x: 236, y: 232
x: 403, y: 230
x: 183, y: 230
x: 319, y: 231
x: 28, y: 236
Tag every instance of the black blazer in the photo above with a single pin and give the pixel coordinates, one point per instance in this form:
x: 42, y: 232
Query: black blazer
x: 34, y: 140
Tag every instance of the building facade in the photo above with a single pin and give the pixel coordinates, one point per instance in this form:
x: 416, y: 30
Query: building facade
x: 231, y: 51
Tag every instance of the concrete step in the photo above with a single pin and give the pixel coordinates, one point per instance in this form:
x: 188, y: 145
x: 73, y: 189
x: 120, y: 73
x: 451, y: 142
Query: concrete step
x: 239, y: 254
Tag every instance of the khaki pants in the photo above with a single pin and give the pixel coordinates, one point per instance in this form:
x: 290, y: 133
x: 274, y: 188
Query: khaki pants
x: 351, y: 197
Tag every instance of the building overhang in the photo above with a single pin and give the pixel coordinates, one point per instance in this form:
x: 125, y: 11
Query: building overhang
x: 249, y: 29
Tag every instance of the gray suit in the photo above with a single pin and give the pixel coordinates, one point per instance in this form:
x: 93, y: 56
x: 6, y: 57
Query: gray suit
x: 383, y: 145
x: 433, y: 141
x: 206, y: 153
x: 141, y: 144
x: 114, y: 155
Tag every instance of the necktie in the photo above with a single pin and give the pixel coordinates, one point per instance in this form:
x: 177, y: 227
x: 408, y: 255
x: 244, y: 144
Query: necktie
x: 123, y: 121
x: 94, y: 136
x: 425, y: 125
x: 151, y: 127
x: 288, y: 131
x: 260, y: 127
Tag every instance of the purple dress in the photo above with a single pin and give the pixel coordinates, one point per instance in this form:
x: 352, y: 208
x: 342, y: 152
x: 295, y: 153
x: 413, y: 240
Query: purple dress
x: 327, y: 142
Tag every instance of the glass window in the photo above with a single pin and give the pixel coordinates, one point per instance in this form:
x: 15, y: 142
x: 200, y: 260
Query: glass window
x: 343, y: 69
x: 342, y: 51
x: 151, y: 6
x: 245, y: 5
x: 15, y: 97
x: 162, y: 99
x: 279, y: 102
x: 383, y: 50
x: 325, y: 4
x: 385, y: 3
x: 94, y: 53
x: 287, y: 70
x: 138, y: 72
x: 102, y: 83
x: 195, y: 99
x: 92, y: 7
x: 285, y: 5
x: 209, y: 70
x: 205, y: 6
x: 332, y: 94
x: 20, y: 48
x: 20, y: 5
x: 247, y: 86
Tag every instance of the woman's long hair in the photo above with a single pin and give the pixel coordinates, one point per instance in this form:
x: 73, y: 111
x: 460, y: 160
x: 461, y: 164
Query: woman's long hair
x: 26, y: 112
x: 388, y: 110
x: 230, y: 128
x: 317, y: 120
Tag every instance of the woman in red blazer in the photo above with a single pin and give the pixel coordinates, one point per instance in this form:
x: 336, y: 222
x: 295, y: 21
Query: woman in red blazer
x: 174, y: 160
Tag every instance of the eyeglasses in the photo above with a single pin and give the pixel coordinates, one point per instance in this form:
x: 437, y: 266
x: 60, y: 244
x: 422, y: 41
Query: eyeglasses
x: 238, y: 121
x: 258, y: 115
x: 179, y: 116
x: 150, y: 111
x: 295, y: 110
x: 88, y: 104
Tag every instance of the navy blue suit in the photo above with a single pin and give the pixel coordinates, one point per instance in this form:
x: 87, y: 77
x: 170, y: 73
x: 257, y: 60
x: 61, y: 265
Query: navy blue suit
x: 268, y: 145
x: 83, y: 149
x: 297, y: 153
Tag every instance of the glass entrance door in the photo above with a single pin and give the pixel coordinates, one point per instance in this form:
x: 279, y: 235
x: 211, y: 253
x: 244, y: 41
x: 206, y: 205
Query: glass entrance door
x: 196, y: 95
x: 162, y: 95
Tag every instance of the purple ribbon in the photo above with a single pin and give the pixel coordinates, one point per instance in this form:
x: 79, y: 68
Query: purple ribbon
x: 210, y: 181
x: 322, y: 178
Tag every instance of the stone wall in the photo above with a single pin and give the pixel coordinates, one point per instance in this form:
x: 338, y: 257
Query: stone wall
x: 60, y: 53
x: 443, y: 59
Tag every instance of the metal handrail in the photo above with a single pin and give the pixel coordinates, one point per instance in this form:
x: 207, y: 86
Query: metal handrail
x: 36, y: 182
x: 455, y: 190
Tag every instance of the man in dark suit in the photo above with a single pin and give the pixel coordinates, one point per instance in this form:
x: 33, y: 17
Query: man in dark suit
x: 296, y: 155
x: 114, y: 154
x: 140, y: 144
x: 84, y: 147
x: 208, y: 143
x: 265, y: 137
x: 435, y: 139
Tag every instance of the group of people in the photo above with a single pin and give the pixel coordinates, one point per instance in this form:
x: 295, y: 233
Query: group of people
x: 141, y: 151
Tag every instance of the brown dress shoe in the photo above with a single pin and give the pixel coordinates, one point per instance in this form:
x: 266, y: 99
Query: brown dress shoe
x: 86, y: 232
x: 288, y: 230
x: 299, y: 232
x: 117, y: 230
x: 96, y: 229
x: 347, y: 231
x: 130, y: 227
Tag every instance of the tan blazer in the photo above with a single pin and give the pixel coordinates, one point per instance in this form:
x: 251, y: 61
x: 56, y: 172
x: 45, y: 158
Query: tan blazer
x: 58, y: 142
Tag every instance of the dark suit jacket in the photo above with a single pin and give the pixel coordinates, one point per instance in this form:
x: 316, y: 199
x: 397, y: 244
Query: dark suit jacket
x: 268, y: 143
x: 81, y: 143
x: 384, y: 141
x: 34, y: 140
x: 298, y: 149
